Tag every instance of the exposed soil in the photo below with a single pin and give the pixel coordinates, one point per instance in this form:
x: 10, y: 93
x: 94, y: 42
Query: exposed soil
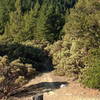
x: 50, y: 86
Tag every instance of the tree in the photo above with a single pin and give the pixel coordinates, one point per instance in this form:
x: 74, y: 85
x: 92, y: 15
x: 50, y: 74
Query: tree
x: 5, y: 7
x: 86, y: 26
x: 15, y: 24
x: 51, y: 20
x: 81, y: 35
x: 29, y: 26
x: 36, y: 19
x: 41, y: 23
x: 29, y: 21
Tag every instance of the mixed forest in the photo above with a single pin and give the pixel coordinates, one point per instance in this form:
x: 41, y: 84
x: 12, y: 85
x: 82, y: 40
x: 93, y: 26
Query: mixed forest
x: 37, y: 36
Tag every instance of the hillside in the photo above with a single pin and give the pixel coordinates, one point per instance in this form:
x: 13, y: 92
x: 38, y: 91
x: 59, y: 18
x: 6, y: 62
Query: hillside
x: 41, y: 36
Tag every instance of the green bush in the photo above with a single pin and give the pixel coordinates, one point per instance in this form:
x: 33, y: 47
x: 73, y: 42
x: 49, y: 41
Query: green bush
x: 93, y: 58
x: 65, y: 62
x: 90, y: 76
x: 81, y: 33
x: 31, y: 52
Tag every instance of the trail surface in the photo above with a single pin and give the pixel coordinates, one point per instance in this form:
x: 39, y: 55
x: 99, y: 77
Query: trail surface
x: 56, y: 88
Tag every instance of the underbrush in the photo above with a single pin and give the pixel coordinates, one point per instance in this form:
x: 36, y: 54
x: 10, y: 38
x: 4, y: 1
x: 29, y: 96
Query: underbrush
x: 90, y: 76
x: 23, y: 62
x: 13, y: 75
x: 67, y: 58
x: 31, y: 52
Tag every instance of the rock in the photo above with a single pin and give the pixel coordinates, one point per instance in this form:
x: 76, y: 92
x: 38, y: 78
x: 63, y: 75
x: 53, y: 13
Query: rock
x: 51, y: 93
x: 63, y: 85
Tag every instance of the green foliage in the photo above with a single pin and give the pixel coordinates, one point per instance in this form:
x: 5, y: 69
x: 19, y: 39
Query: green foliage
x: 27, y: 27
x: 81, y: 34
x: 52, y: 20
x: 26, y: 20
x: 5, y: 7
x: 15, y: 22
x: 3, y: 19
x: 86, y: 26
x: 22, y: 63
x: 90, y: 76
x: 93, y: 58
x: 64, y: 62
x: 29, y: 52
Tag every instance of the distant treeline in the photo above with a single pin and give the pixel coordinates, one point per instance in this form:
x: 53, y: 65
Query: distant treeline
x: 33, y: 19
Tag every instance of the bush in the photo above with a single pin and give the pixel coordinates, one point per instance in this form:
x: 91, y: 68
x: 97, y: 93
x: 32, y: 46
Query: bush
x: 90, y: 76
x: 65, y: 62
x: 13, y: 75
x: 93, y: 58
x: 81, y: 33
x: 20, y: 80
x: 31, y: 52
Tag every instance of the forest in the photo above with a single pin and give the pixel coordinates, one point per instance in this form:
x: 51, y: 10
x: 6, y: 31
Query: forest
x: 38, y: 36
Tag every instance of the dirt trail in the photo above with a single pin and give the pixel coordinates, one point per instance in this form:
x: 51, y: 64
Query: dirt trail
x: 72, y: 91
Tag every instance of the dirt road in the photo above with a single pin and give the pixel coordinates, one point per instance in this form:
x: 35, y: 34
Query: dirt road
x: 57, y: 88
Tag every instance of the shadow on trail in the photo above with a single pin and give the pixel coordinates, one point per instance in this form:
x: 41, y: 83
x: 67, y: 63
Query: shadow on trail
x: 37, y: 89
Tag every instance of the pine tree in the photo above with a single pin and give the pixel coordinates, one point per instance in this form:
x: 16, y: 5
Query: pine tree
x: 41, y: 23
x: 35, y: 19
x: 29, y: 27
x: 30, y: 21
x: 14, y: 26
x: 50, y: 20
x: 5, y: 7
x: 83, y: 23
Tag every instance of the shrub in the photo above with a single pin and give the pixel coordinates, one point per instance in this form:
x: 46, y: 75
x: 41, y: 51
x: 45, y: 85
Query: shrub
x: 81, y: 33
x: 13, y: 75
x: 93, y: 58
x: 31, y: 52
x: 90, y: 76
x: 65, y: 62
x: 20, y: 80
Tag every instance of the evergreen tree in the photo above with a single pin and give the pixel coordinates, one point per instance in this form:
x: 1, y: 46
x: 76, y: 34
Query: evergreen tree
x: 40, y: 19
x: 14, y: 26
x: 3, y: 20
x: 29, y: 26
x: 41, y: 23
x: 50, y: 21
x: 5, y: 7
x: 29, y: 23
x: 83, y: 23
